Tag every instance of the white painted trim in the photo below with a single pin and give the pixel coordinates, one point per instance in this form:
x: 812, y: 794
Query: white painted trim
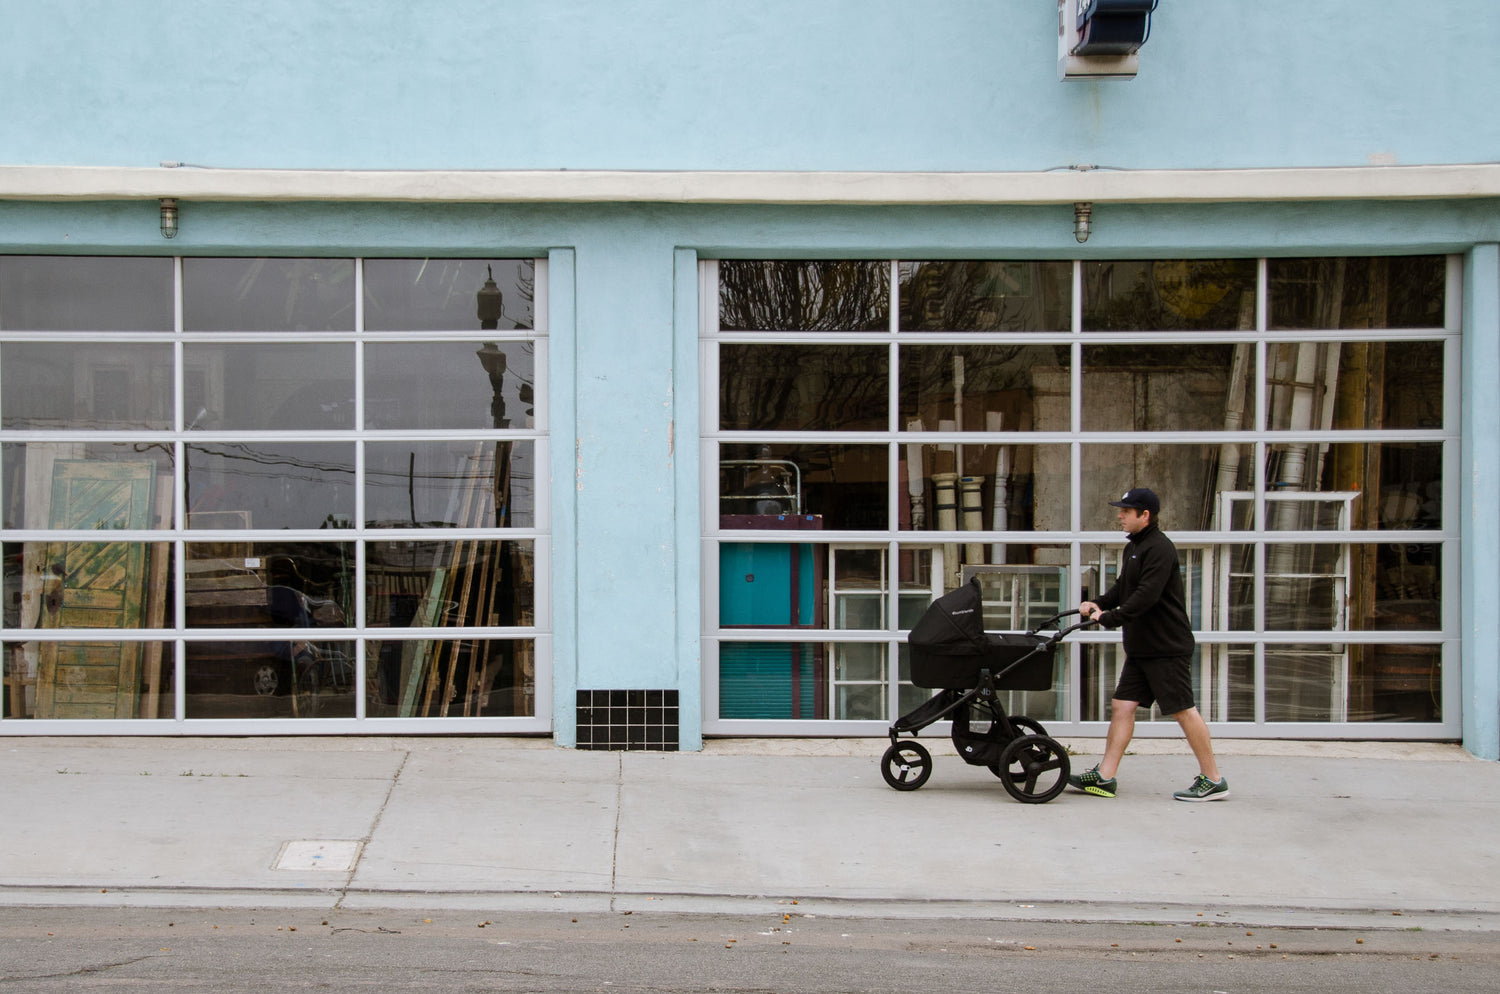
x: 1062, y: 185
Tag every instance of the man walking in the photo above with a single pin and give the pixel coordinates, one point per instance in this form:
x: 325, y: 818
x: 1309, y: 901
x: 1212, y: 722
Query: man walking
x: 1147, y: 600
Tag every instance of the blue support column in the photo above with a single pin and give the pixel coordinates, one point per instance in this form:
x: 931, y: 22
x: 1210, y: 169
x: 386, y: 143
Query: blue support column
x: 562, y: 398
x: 687, y: 483
x: 1480, y: 574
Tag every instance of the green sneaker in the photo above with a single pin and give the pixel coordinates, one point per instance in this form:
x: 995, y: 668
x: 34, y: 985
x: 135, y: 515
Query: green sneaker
x: 1090, y: 782
x: 1204, y: 789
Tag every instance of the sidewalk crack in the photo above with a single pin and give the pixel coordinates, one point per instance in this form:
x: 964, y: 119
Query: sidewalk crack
x: 614, y: 851
x: 374, y: 825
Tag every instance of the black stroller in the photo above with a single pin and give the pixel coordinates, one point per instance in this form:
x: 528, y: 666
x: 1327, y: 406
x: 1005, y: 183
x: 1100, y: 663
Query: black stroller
x: 951, y: 652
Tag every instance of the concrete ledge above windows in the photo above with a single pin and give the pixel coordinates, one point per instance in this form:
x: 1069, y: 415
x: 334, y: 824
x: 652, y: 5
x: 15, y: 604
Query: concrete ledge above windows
x: 1064, y: 184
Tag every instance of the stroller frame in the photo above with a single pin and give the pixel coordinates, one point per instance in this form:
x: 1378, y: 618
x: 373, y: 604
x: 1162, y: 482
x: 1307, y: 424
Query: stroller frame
x: 1032, y: 766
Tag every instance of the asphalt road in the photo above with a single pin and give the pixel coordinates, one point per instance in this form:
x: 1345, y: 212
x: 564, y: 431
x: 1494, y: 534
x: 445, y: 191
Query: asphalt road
x: 232, y: 950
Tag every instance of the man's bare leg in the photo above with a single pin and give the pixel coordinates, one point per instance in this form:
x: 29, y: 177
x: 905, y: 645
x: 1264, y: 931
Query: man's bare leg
x: 1121, y: 731
x: 1196, y: 730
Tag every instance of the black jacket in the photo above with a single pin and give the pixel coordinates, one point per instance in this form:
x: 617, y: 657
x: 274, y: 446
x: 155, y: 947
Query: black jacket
x: 1147, y: 599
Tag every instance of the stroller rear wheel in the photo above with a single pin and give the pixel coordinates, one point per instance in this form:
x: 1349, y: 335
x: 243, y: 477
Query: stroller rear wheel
x: 906, y: 765
x: 1034, y: 769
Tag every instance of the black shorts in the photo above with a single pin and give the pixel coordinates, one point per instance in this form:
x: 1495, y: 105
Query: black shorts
x: 1167, y: 681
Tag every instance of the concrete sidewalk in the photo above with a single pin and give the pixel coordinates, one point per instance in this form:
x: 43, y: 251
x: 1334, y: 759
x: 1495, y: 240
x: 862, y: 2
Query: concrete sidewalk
x: 1317, y: 834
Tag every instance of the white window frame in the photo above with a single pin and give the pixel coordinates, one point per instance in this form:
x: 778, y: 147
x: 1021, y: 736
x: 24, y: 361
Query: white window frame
x: 175, y: 634
x: 894, y: 540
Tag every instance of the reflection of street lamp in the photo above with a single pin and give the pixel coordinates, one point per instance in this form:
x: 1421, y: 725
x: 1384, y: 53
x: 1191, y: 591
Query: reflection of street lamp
x: 493, y: 361
x: 490, y: 299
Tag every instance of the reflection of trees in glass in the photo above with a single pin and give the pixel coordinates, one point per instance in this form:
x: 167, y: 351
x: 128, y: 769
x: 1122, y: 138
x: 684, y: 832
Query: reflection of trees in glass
x: 1169, y: 295
x: 986, y: 296
x: 1363, y: 292
x: 844, y: 295
x: 803, y: 387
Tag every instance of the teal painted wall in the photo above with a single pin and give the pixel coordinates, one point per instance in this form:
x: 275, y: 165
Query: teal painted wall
x: 774, y: 84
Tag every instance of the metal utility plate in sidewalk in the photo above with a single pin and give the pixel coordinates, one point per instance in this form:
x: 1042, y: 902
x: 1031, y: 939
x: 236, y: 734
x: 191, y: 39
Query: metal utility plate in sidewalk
x: 318, y: 854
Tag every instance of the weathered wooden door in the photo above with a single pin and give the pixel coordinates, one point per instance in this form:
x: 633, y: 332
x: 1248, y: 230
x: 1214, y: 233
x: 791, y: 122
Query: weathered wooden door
x: 94, y: 585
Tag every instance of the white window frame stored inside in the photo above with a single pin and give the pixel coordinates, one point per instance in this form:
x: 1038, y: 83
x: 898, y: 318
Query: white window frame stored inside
x: 1448, y: 538
x: 175, y: 635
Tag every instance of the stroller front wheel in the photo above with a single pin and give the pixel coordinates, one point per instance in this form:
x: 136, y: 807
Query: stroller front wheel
x: 906, y: 765
x: 1034, y: 769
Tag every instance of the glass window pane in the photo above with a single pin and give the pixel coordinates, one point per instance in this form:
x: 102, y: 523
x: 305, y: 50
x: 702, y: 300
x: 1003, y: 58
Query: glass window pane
x: 847, y: 295
x: 276, y: 678
x: 474, y: 583
x: 263, y: 585
x: 1399, y: 682
x: 986, y: 296
x: 773, y: 585
x: 1306, y: 682
x: 1196, y: 387
x: 450, y: 484
x: 88, y: 585
x: 268, y: 294
x: 986, y: 387
x: 1395, y: 587
x: 773, y: 680
x: 1307, y: 586
x: 270, y: 484
x: 452, y: 385
x: 1183, y: 476
x: 835, y: 486
x: 1002, y: 488
x: 451, y: 678
x: 445, y: 294
x: 1364, y: 292
x: 804, y: 387
x: 85, y: 293
x: 80, y: 680
x: 35, y: 471
x: 1355, y: 385
x: 90, y: 385
x: 270, y: 385
x: 1169, y: 295
x: 1325, y: 487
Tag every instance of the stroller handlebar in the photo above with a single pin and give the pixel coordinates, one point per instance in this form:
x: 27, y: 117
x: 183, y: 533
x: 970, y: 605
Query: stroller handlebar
x: 1062, y: 632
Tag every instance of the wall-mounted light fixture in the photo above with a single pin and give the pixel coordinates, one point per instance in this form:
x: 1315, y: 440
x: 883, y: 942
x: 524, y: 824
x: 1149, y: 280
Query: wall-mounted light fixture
x: 169, y: 217
x: 1082, y: 212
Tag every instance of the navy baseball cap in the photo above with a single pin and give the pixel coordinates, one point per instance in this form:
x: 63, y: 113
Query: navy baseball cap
x: 1139, y: 498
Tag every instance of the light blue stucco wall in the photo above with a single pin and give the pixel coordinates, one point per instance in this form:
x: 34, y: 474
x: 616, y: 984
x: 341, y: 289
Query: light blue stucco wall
x: 771, y: 85
x: 774, y: 84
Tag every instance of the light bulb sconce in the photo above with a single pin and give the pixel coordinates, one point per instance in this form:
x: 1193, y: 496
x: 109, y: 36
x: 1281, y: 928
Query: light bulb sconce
x: 1082, y: 214
x: 169, y: 217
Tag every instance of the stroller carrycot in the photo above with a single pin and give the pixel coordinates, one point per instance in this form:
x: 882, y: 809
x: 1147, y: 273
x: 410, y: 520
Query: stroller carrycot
x: 949, y: 648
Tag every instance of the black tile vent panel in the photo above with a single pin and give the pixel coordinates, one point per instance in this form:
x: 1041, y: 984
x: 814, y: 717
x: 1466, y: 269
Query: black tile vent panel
x: 644, y: 720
